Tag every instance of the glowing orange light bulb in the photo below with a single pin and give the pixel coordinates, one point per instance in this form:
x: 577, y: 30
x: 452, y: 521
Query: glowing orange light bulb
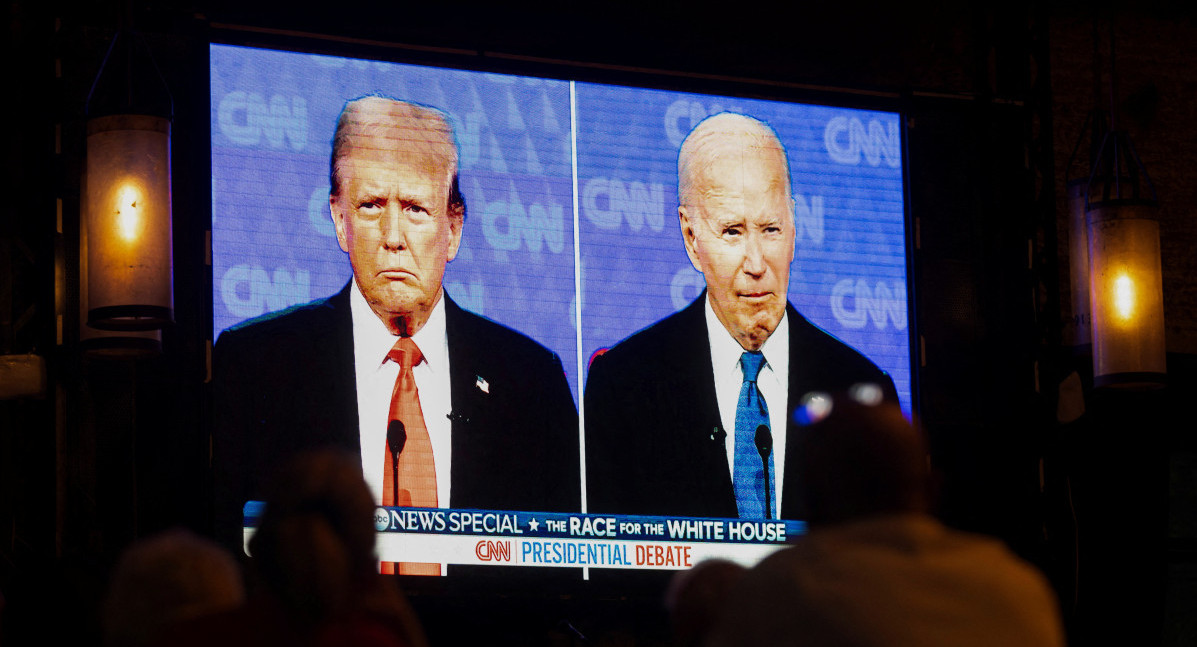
x: 1124, y: 296
x: 128, y: 210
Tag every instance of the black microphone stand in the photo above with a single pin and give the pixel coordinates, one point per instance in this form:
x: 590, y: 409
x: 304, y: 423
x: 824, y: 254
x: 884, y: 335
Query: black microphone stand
x: 396, y: 439
x: 764, y: 445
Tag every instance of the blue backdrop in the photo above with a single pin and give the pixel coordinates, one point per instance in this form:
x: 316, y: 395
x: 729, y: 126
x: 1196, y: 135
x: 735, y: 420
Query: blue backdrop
x: 273, y: 243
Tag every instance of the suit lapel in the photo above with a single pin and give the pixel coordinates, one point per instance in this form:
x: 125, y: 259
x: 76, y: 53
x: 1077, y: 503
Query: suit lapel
x: 340, y: 359
x: 802, y: 381
x: 463, y: 393
x: 696, y: 382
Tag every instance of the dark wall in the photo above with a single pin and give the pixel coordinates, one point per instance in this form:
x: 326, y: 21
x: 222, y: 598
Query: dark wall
x: 119, y: 449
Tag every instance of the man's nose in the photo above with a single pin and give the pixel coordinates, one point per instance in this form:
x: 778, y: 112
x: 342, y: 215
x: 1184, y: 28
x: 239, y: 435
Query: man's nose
x: 754, y: 255
x: 393, y: 237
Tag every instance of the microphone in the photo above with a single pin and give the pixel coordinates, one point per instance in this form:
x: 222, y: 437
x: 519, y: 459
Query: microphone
x: 764, y: 445
x: 396, y: 439
x: 718, y: 435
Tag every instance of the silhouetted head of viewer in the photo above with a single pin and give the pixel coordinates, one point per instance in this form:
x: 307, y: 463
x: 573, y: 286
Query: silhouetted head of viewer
x: 396, y: 205
x: 859, y: 457
x: 313, y: 570
x: 314, y: 546
x: 164, y: 579
x: 696, y: 596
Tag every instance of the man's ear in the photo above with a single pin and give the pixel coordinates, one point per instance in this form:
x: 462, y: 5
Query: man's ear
x: 793, y: 229
x: 688, y: 236
x: 456, y: 222
x: 338, y: 218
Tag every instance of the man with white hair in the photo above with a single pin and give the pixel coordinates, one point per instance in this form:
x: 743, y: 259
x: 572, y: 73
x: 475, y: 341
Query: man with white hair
x: 692, y: 415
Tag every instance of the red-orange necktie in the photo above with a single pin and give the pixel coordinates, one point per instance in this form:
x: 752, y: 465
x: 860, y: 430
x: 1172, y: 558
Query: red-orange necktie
x: 417, y: 468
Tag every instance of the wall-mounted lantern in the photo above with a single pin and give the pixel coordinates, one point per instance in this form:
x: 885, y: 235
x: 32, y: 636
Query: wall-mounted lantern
x: 128, y: 201
x: 1126, y: 292
x: 1125, y: 302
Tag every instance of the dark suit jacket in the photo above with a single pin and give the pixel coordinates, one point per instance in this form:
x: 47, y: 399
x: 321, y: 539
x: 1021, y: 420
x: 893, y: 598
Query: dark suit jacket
x: 653, y: 433
x: 285, y: 383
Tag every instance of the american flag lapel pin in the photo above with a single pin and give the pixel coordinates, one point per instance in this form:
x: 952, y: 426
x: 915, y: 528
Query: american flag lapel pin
x: 482, y: 384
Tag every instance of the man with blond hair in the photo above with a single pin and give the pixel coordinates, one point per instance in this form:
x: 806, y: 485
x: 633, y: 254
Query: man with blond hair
x: 446, y: 408
x: 692, y: 415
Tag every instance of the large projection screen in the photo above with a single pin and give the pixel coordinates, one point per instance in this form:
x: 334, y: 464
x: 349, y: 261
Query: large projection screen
x: 571, y: 234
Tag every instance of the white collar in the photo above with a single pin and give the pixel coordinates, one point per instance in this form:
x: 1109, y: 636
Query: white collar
x: 372, y: 341
x: 726, y: 351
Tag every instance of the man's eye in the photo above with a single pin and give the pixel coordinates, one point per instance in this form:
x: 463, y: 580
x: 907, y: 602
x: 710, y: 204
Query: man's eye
x: 368, y: 205
x: 731, y: 231
x: 415, y: 208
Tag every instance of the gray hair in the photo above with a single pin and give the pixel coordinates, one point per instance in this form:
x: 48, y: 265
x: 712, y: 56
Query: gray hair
x: 720, y: 135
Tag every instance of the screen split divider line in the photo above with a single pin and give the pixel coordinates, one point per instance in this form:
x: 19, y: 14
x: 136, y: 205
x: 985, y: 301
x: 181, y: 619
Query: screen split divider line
x: 579, y: 354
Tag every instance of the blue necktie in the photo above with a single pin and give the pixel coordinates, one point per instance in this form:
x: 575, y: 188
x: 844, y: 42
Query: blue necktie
x: 751, y: 413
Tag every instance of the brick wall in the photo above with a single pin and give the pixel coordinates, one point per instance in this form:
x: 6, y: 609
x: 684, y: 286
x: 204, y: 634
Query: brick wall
x: 1156, y: 65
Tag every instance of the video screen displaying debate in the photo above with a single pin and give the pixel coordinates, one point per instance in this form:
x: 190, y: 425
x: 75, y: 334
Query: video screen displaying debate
x: 571, y: 237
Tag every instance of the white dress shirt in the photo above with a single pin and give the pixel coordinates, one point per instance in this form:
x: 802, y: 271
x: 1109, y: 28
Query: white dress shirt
x: 773, y: 381
x: 376, y: 381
